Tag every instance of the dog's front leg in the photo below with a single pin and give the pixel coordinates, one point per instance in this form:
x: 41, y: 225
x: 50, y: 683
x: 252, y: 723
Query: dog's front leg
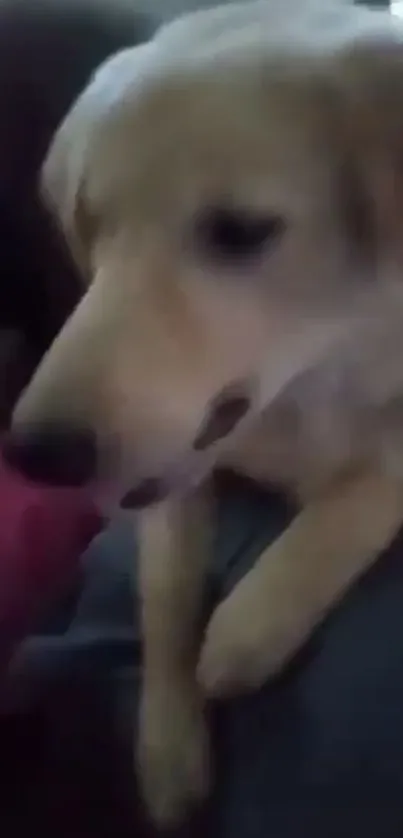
x: 296, y: 580
x: 173, y: 752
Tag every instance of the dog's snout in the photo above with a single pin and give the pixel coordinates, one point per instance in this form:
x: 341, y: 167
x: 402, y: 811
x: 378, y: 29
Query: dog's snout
x: 225, y: 413
x: 54, y: 455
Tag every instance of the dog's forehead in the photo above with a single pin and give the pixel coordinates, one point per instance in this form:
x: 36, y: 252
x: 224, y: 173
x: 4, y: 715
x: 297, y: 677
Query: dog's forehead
x: 207, y: 128
x: 239, y: 38
x: 222, y: 96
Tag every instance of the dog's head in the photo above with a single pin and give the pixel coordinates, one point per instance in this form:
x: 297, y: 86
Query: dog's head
x: 232, y: 192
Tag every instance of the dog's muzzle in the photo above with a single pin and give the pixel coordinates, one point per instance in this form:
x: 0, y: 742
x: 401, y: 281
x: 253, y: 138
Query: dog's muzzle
x: 66, y: 456
x: 224, y: 414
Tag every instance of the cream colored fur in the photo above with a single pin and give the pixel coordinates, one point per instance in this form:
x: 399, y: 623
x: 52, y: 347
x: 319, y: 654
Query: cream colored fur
x: 295, y: 110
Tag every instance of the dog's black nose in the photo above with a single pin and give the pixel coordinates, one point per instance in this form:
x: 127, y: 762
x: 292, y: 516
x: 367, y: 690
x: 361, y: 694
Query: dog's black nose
x: 54, y: 455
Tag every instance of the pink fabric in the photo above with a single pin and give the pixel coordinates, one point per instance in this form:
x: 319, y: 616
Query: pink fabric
x: 43, y: 532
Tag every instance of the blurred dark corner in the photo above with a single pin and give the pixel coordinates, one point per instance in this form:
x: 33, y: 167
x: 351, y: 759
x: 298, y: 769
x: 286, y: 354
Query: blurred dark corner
x: 48, y: 50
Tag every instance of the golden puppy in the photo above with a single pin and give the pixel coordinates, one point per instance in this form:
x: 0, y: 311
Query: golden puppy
x: 233, y: 192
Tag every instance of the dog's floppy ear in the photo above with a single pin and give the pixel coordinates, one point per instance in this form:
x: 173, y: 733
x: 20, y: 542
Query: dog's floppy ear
x: 63, y: 181
x: 80, y: 161
x: 370, y: 73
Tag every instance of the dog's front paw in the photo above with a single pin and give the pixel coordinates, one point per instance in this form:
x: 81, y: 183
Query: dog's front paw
x: 250, y: 637
x: 173, y: 753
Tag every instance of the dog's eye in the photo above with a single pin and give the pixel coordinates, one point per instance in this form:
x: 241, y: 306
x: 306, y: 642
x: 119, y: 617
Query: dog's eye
x: 232, y: 235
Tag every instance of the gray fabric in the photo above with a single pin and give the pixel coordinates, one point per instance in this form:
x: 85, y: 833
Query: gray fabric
x: 103, y: 625
x: 317, y: 752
